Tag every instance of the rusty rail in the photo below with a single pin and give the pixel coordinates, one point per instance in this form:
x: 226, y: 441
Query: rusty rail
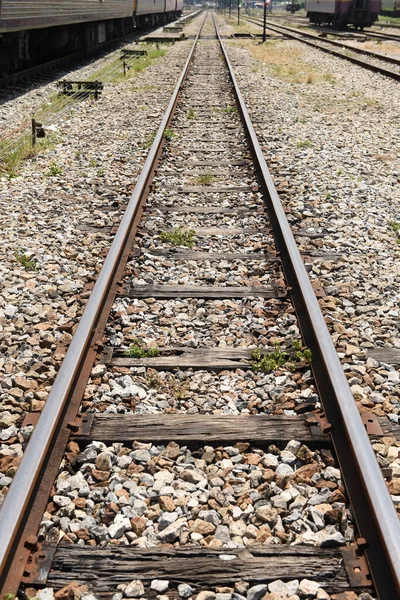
x: 305, y: 38
x: 377, y: 520
x: 375, y: 514
x: 26, y: 501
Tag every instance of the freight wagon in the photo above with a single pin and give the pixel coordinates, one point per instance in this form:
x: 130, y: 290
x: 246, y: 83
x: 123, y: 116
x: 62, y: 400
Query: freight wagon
x: 360, y: 13
x: 30, y: 29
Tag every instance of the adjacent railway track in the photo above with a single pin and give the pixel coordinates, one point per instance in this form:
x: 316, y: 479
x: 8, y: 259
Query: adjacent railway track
x: 347, y: 52
x: 169, y: 468
x: 370, y: 33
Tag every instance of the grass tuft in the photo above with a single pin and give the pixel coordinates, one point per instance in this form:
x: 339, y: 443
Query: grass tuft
x: 205, y: 179
x: 25, y: 261
x: 54, y: 170
x: 279, y: 358
x: 179, y: 237
x: 137, y: 350
x: 304, y: 144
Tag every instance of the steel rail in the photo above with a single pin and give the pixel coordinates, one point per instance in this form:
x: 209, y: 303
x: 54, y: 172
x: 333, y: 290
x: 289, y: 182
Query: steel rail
x: 19, y: 503
x: 393, y: 61
x: 373, y: 508
x: 299, y: 36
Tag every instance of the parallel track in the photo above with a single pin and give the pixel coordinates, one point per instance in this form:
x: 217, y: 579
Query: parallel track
x: 370, y: 33
x: 324, y: 46
x: 207, y: 87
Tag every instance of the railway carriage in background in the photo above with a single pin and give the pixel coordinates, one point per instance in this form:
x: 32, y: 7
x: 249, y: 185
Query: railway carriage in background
x: 31, y: 29
x: 360, y: 13
x: 391, y: 8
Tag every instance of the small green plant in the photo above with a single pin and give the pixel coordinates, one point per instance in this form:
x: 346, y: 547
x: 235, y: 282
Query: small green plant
x: 54, y: 169
x: 78, y: 154
x: 299, y: 354
x: 191, y: 114
x: 205, y: 179
x: 9, y: 597
x: 304, y: 144
x: 101, y: 172
x: 229, y: 109
x: 328, y: 195
x: 169, y: 134
x: 137, y: 350
x: 268, y: 362
x: 340, y: 171
x: 93, y: 163
x: 179, y: 236
x: 25, y: 261
x: 149, y: 142
x: 278, y: 358
x: 394, y: 225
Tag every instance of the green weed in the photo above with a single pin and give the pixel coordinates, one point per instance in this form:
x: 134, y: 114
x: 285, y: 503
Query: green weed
x: 25, y: 261
x: 136, y: 350
x: 205, y: 179
x: 179, y: 237
x: 304, y: 144
x: 191, y: 114
x: 149, y: 142
x: 229, y: 109
x: 169, y: 134
x: 278, y: 358
x: 394, y: 225
x: 54, y: 170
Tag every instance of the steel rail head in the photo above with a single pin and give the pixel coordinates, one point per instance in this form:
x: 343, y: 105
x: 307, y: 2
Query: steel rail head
x: 21, y: 494
x: 374, y: 511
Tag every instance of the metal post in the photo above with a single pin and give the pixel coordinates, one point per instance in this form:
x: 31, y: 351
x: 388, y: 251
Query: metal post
x: 33, y: 132
x: 238, y: 12
x: 264, y: 38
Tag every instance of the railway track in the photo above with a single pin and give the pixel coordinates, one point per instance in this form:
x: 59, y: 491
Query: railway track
x: 163, y: 451
x: 347, y: 52
x: 367, y: 33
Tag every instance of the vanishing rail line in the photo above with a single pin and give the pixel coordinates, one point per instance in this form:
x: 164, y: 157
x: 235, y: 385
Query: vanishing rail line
x: 204, y: 169
x: 371, y: 33
x: 323, y: 44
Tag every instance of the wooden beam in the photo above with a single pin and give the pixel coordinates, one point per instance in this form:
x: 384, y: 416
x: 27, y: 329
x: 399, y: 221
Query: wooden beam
x: 216, y: 210
x: 202, y: 291
x: 104, y: 568
x: 184, y: 428
x: 194, y: 255
x: 390, y: 356
x: 214, y: 359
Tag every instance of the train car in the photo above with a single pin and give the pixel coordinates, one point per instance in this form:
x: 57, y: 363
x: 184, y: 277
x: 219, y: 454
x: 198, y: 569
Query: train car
x: 31, y: 29
x: 339, y: 13
x: 391, y: 8
x: 292, y: 7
